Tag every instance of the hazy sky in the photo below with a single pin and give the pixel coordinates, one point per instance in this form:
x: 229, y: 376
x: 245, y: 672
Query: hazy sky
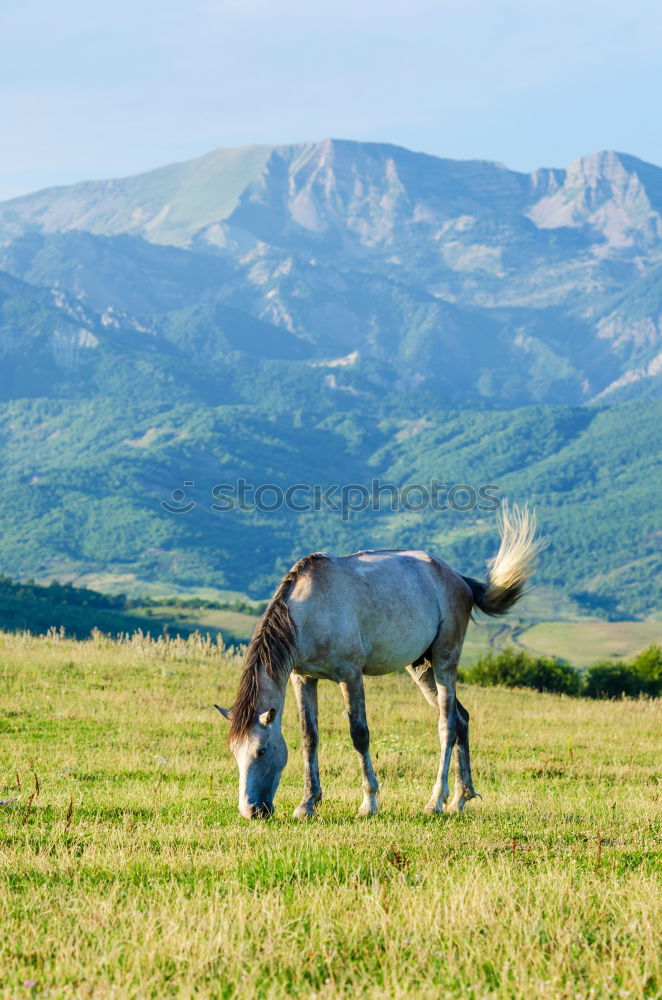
x: 92, y: 90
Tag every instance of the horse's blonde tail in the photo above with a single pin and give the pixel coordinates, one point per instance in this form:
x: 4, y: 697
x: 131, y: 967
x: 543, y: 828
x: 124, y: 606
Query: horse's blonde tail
x: 513, y: 564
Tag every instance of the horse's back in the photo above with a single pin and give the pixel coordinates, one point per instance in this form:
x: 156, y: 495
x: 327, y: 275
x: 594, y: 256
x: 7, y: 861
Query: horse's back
x: 383, y: 608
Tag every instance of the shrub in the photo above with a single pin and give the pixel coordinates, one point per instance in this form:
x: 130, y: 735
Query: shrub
x: 648, y: 668
x: 603, y: 679
x: 516, y: 668
x: 609, y: 679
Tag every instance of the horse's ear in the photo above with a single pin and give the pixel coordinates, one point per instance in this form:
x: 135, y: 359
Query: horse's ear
x: 267, y: 717
x: 225, y: 712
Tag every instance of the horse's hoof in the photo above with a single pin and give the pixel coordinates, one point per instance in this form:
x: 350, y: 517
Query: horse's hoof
x: 433, y: 809
x: 304, y: 812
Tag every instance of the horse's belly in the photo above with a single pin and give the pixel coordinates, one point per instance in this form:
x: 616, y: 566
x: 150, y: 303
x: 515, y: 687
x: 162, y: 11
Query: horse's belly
x: 379, y: 669
x: 323, y: 671
x: 395, y: 649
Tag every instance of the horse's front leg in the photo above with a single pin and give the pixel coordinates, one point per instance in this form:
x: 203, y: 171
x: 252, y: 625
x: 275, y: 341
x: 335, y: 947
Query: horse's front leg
x: 305, y: 692
x: 354, y: 696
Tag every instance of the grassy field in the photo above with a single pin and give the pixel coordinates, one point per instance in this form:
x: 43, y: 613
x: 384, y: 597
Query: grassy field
x: 234, y: 625
x: 581, y: 643
x: 130, y: 873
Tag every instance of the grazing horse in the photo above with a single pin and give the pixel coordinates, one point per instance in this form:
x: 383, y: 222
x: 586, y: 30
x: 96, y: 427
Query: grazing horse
x: 340, y: 618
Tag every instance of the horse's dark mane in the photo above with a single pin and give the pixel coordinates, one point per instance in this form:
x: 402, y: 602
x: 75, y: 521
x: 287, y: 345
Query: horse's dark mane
x: 273, y: 647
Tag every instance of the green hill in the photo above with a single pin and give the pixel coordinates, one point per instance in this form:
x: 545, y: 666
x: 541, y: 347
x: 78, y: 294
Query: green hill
x: 84, y: 482
x: 327, y: 314
x: 75, y: 610
x: 78, y: 611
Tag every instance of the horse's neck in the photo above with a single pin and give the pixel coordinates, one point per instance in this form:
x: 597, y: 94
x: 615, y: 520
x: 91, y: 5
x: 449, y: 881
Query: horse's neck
x: 271, y: 691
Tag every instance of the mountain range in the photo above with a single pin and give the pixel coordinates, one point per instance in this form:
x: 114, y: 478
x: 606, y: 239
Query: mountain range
x: 323, y: 313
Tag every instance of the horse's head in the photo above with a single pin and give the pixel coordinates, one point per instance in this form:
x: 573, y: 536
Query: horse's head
x: 261, y: 755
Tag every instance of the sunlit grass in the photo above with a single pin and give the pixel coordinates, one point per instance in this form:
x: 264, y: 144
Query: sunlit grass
x: 130, y: 873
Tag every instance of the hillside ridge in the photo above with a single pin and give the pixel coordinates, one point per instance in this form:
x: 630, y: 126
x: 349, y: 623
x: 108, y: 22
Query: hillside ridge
x: 322, y: 313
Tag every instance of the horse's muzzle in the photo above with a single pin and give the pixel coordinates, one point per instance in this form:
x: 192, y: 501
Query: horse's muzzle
x: 253, y: 810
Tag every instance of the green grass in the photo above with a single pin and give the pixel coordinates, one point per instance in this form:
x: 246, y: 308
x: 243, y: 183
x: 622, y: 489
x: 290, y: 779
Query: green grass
x: 151, y: 885
x: 232, y: 625
x: 582, y: 643
x: 235, y: 626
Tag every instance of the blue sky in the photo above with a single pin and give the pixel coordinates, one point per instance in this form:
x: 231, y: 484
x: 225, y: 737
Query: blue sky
x: 91, y: 90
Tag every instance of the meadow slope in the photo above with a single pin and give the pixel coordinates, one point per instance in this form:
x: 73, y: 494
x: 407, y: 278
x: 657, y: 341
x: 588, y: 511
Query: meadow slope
x: 130, y: 873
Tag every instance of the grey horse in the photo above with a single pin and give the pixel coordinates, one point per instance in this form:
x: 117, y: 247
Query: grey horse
x: 369, y: 613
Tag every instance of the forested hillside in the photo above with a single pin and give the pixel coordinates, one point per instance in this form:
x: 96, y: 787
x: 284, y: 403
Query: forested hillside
x: 326, y: 314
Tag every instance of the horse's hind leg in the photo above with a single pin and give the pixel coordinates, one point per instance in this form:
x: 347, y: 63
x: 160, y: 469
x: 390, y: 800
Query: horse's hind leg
x: 422, y: 674
x: 454, y: 734
x: 354, y: 696
x: 444, y: 666
x: 305, y: 692
x: 464, y: 788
